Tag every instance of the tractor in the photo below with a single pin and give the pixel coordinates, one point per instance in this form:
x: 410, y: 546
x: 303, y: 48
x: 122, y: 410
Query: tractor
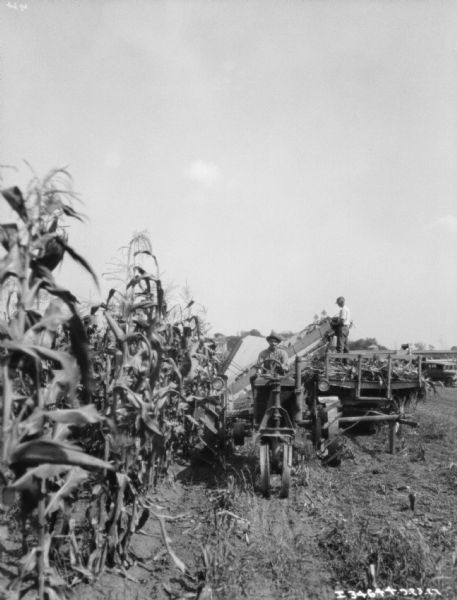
x: 326, y: 393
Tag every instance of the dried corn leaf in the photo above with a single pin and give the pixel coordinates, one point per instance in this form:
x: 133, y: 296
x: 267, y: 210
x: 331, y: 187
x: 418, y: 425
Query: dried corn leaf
x: 177, y: 561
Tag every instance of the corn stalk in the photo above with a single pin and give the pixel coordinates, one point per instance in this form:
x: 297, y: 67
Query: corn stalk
x: 77, y: 400
x: 33, y: 439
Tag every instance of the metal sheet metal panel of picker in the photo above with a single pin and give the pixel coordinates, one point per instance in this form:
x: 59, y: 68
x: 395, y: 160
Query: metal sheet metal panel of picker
x: 325, y: 394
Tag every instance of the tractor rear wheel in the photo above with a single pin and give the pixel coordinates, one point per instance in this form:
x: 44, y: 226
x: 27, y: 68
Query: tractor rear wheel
x: 238, y: 434
x: 326, y: 434
x: 265, y: 469
x: 333, y: 458
x: 319, y: 417
x: 333, y: 442
x: 285, y: 475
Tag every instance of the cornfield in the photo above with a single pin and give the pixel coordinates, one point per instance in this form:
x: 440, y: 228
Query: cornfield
x: 94, y: 407
x: 98, y: 404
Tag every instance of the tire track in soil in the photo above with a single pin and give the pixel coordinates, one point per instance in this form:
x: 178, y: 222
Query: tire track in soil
x: 276, y: 557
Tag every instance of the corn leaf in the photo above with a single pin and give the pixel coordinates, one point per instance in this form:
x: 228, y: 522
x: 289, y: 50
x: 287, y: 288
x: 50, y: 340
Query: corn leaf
x: 37, y: 452
x: 54, y: 250
x: 71, y: 212
x: 149, y: 254
x: 131, y: 396
x: 142, y: 519
x: 8, y: 235
x: 120, y: 335
x: 61, y: 432
x: 74, y: 477
x: 29, y: 298
x: 13, y: 196
x: 65, y: 295
x: 111, y: 293
x: 82, y: 261
x: 46, y: 471
x: 80, y: 348
x: 28, y: 561
x: 75, y: 416
x: 33, y: 425
x: 177, y: 561
x: 7, y: 403
x: 11, y: 266
x: 152, y: 425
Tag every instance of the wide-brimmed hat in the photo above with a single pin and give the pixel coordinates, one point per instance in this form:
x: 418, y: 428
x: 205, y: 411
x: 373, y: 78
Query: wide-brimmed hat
x: 274, y: 336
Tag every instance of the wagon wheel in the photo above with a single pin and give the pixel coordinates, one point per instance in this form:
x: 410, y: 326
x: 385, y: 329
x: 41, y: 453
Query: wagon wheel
x: 285, y: 475
x: 265, y: 469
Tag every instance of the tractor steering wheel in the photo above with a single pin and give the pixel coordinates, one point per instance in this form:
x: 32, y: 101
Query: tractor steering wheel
x: 274, y: 363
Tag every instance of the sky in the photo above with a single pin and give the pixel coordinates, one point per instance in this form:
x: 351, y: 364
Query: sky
x: 279, y: 154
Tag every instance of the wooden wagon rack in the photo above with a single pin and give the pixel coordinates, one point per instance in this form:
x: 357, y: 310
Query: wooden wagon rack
x: 370, y: 387
x: 386, y: 383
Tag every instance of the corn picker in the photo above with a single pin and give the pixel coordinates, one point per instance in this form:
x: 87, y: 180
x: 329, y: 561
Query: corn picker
x: 325, y: 394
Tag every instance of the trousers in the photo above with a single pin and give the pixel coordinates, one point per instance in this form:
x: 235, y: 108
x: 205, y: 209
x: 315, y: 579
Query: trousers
x: 342, y: 334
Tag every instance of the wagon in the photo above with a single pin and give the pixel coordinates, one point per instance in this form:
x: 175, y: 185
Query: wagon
x: 344, y: 390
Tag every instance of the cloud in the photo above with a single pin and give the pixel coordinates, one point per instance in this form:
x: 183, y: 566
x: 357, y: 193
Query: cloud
x: 204, y: 173
x: 113, y: 155
x: 113, y: 160
x: 446, y: 223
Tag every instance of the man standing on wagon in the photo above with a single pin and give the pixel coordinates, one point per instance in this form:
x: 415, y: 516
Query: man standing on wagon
x: 342, y: 324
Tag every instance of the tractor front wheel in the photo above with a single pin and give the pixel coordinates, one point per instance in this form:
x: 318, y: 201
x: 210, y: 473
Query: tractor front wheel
x: 276, y: 456
x: 285, y: 475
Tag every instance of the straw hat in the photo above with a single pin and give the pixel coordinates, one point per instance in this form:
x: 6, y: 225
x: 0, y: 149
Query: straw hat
x: 274, y: 336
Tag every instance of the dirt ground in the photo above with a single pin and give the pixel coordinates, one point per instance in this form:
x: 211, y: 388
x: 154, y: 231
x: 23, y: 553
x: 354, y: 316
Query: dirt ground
x: 378, y: 521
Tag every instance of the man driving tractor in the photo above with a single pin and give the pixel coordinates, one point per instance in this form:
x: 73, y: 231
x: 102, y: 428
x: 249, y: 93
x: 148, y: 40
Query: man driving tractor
x: 273, y: 358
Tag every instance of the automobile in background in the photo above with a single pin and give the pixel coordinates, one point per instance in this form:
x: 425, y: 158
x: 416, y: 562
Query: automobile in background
x: 441, y: 370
